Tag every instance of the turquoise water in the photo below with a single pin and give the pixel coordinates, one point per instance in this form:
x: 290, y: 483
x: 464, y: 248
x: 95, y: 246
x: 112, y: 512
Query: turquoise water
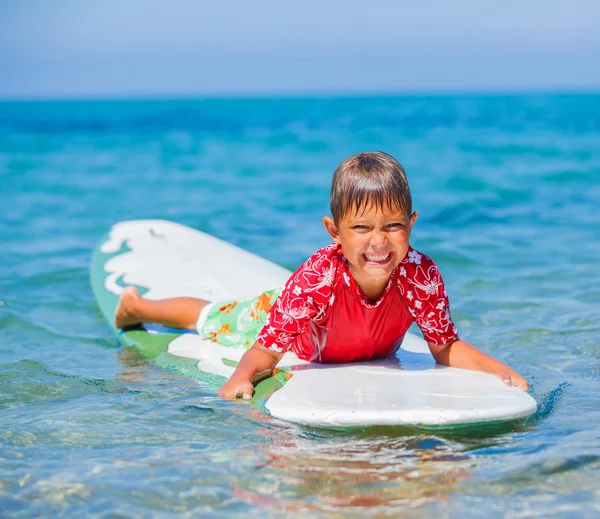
x: 508, y: 189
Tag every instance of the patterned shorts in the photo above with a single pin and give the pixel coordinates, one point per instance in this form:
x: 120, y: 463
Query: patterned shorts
x: 236, y: 322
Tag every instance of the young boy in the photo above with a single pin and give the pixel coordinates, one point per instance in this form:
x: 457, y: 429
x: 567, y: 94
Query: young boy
x: 351, y: 301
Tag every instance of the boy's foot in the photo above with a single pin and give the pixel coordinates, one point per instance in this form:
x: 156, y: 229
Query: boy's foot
x: 125, y: 313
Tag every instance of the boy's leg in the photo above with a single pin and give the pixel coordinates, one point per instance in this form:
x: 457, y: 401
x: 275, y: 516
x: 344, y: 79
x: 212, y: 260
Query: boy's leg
x: 178, y: 312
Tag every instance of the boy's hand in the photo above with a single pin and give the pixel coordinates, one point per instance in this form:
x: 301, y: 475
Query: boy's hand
x: 256, y: 364
x: 513, y: 379
x: 235, y: 388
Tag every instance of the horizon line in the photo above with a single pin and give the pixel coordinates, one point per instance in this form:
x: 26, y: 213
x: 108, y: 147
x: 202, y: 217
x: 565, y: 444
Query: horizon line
x: 310, y: 94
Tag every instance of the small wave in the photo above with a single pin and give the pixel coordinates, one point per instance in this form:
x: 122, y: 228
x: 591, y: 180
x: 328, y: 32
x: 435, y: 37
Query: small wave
x: 548, y: 403
x: 29, y: 381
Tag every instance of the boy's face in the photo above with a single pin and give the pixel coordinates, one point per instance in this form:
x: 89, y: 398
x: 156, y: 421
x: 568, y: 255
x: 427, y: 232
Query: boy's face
x: 374, y: 241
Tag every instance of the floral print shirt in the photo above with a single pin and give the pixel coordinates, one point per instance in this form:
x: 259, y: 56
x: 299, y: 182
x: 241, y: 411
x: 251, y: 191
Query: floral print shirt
x: 323, y: 315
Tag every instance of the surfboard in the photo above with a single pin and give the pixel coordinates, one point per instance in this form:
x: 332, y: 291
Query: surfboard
x: 165, y: 259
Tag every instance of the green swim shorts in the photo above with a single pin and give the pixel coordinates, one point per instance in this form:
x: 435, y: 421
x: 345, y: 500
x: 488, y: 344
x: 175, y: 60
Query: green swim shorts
x: 236, y: 322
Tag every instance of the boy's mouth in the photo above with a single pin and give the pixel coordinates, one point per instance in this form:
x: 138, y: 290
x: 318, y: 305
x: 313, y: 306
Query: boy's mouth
x: 377, y: 259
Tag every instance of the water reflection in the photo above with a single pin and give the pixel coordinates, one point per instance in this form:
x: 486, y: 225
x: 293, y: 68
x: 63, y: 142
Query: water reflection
x: 354, y: 473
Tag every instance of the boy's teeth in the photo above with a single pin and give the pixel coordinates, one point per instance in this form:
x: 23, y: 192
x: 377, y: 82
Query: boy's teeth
x: 378, y: 257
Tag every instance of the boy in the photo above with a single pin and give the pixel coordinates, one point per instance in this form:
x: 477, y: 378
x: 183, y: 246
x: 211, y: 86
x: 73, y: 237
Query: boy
x: 351, y: 301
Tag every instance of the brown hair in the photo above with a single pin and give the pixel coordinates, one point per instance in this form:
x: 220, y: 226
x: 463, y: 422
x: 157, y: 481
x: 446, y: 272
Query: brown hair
x: 369, y: 178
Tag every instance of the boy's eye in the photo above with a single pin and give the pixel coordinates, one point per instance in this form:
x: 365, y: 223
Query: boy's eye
x: 388, y: 227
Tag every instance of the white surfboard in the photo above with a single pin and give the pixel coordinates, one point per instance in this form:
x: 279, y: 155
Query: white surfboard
x: 169, y: 260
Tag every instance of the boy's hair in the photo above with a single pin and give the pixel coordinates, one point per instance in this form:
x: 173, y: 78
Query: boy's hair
x: 365, y: 179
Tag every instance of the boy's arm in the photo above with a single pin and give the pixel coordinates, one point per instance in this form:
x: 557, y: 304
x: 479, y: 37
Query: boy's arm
x: 255, y: 365
x: 460, y: 354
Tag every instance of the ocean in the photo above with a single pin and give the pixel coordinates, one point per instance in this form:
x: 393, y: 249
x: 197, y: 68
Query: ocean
x: 508, y: 191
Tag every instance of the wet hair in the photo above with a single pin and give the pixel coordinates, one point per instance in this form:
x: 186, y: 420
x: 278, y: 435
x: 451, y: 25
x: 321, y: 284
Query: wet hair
x: 369, y: 179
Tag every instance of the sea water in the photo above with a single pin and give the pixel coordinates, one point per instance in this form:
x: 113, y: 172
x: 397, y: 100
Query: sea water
x: 508, y: 191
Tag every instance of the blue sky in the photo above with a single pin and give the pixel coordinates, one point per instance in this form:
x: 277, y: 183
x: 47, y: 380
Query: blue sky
x: 149, y: 48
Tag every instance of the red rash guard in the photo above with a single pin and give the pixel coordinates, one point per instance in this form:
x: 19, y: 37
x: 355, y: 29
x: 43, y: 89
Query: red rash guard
x: 323, y: 315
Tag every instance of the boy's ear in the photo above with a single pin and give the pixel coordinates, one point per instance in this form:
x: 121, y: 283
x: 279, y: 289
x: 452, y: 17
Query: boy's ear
x: 331, y: 228
x: 413, y: 219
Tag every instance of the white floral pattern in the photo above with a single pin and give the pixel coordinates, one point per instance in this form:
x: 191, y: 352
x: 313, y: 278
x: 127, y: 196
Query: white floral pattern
x: 430, y: 305
x: 414, y: 257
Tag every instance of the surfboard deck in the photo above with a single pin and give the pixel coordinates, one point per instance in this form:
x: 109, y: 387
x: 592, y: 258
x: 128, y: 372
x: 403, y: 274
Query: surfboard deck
x: 164, y: 259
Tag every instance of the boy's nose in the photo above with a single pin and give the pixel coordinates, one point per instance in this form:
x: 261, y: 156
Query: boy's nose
x: 378, y: 238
